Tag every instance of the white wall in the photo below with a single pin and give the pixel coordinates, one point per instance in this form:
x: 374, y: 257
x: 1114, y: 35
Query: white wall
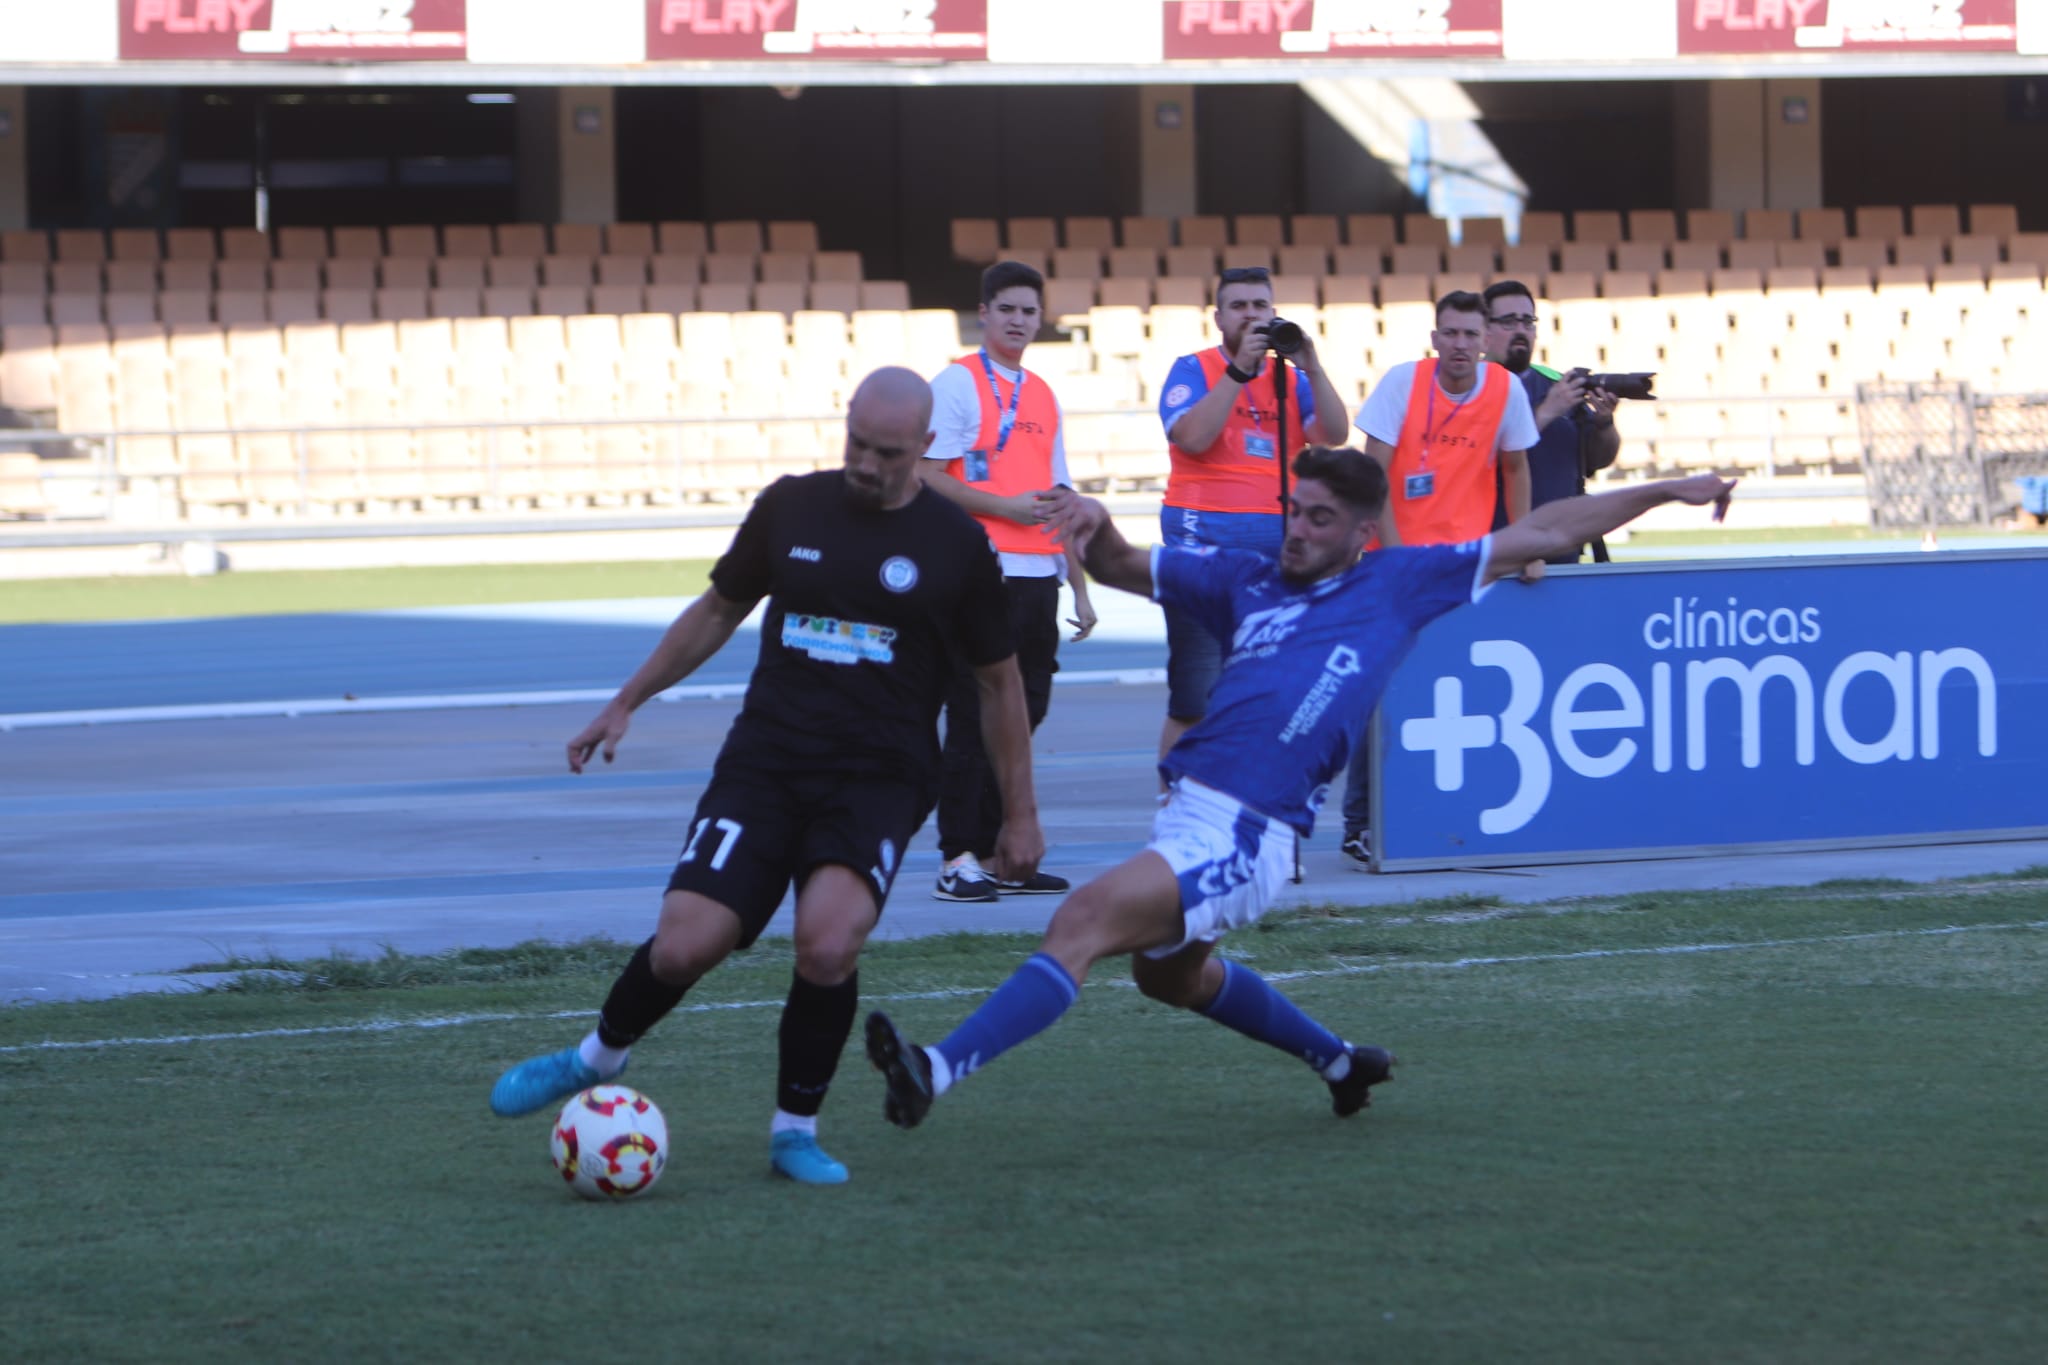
x: 548, y: 32
x: 1075, y: 32
x: 1588, y: 30
x: 60, y: 30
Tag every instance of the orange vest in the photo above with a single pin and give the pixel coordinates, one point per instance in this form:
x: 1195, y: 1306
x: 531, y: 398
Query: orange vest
x: 1237, y: 473
x: 1025, y: 466
x: 1447, y: 449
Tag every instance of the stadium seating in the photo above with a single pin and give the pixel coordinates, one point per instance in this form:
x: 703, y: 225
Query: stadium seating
x: 345, y: 265
x: 437, y: 357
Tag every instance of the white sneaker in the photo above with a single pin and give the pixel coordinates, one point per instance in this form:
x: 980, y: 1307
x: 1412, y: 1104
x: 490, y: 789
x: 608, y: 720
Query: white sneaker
x: 964, y: 879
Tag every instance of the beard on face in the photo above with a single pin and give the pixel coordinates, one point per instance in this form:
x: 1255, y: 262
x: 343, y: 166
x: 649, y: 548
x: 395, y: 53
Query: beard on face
x: 1519, y: 354
x: 863, y: 491
x: 1300, y: 563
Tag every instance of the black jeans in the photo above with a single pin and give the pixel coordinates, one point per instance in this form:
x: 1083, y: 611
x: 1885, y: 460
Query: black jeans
x: 970, y: 802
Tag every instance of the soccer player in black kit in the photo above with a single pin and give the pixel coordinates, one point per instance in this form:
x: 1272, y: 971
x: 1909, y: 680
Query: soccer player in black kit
x: 833, y: 763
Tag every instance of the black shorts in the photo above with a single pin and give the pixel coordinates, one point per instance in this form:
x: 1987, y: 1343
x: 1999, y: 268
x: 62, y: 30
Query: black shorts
x: 757, y: 833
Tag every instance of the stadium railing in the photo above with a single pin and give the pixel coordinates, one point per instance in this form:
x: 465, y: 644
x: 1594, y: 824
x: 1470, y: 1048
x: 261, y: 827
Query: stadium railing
x: 981, y: 240
x: 385, y: 466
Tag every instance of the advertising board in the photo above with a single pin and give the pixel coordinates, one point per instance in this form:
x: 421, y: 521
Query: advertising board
x: 1721, y: 27
x: 1353, y: 29
x: 294, y: 30
x: 1633, y: 710
x: 785, y: 30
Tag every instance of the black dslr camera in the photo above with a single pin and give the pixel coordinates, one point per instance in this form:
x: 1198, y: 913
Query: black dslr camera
x: 1635, y: 385
x: 1283, y: 336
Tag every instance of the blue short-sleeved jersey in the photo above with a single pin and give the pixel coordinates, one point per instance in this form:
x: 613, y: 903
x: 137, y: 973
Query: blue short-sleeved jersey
x: 1304, y: 666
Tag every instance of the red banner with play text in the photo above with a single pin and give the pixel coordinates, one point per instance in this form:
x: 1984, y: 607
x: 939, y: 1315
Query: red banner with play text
x: 295, y: 30
x: 1350, y: 29
x: 1822, y: 26
x: 809, y: 30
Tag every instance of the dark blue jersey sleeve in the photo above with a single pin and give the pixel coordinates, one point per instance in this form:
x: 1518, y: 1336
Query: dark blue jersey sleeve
x: 1185, y: 386
x: 1432, y: 579
x: 1203, y: 581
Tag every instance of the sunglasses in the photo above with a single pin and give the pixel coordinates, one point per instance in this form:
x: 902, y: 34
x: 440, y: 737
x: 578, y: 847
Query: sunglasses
x: 1246, y: 274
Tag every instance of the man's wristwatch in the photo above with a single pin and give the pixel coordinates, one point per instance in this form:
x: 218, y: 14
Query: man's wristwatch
x: 1239, y: 375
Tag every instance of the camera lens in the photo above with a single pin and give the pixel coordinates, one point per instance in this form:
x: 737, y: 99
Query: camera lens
x: 1285, y: 336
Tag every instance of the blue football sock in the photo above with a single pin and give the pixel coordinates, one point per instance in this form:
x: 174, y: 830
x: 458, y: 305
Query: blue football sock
x: 1026, y: 1005
x: 1249, y: 1004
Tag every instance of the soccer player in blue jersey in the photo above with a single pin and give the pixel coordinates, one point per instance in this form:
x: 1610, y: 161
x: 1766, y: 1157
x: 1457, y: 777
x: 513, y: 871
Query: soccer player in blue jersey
x: 1313, y: 639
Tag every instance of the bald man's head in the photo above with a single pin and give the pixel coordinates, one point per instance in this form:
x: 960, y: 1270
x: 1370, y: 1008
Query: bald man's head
x: 888, y: 429
x: 891, y: 388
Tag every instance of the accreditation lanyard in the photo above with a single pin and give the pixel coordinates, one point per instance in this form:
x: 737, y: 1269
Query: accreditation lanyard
x: 1009, y: 417
x: 1257, y: 444
x: 1429, y: 422
x: 1429, y: 432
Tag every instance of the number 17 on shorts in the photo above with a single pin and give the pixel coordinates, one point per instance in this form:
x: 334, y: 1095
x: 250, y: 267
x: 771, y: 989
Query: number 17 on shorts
x: 727, y: 833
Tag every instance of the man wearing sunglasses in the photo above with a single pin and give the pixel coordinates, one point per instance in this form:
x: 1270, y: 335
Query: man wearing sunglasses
x: 1224, y: 437
x: 1575, y: 425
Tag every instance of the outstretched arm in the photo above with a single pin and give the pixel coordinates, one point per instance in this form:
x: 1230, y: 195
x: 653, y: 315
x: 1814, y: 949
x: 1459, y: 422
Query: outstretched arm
x: 703, y: 628
x: 1559, y: 528
x: 1084, y: 524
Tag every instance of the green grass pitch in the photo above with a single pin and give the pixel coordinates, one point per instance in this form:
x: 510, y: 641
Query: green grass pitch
x: 1775, y: 1126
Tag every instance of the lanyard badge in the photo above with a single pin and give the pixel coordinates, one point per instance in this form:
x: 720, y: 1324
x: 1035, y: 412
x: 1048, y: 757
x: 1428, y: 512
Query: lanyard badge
x: 1009, y: 417
x: 1422, y: 483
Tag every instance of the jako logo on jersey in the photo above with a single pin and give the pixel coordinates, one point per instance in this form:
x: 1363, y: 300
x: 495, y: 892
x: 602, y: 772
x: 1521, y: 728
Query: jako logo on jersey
x: 898, y: 574
x: 1261, y: 632
x: 1915, y: 685
x: 1342, y: 664
x: 804, y: 552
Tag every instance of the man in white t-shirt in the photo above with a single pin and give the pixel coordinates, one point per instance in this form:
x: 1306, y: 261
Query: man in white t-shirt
x: 1453, y: 434
x: 1439, y: 439
x: 997, y: 444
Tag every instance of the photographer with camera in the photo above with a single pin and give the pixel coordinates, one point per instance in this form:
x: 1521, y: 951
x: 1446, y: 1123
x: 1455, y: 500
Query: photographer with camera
x: 1453, y: 434
x: 1224, y: 438
x: 1576, y: 436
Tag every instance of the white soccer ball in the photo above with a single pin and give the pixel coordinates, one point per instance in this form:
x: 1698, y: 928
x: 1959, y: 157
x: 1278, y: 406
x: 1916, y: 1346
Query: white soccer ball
x: 610, y: 1142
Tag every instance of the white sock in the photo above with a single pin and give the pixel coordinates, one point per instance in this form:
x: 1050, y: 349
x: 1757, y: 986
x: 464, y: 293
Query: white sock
x: 607, y: 1062
x: 963, y: 861
x: 786, y: 1122
x: 942, y: 1075
x: 1339, y: 1069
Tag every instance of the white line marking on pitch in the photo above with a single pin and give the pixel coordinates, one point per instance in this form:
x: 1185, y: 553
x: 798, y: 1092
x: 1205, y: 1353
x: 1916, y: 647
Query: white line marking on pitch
x: 960, y: 992
x: 460, y: 701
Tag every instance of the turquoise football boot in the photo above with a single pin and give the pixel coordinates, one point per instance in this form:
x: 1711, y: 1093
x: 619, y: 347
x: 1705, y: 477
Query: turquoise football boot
x: 797, y: 1156
x: 538, y: 1082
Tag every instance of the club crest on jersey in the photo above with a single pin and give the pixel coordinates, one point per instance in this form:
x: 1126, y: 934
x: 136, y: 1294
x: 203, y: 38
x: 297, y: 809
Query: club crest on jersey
x: 898, y: 574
